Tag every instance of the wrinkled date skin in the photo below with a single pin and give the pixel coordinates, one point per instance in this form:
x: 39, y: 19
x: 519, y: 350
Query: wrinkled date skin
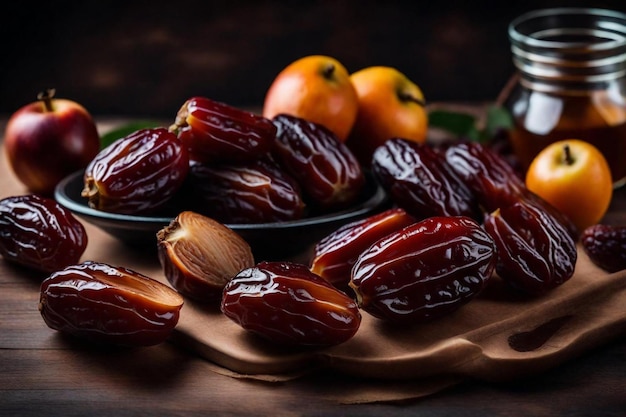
x: 38, y: 233
x: 335, y: 255
x: 606, y: 246
x: 419, y: 180
x: 200, y: 255
x: 328, y: 172
x: 287, y: 304
x: 494, y: 182
x: 488, y: 175
x: 535, y: 252
x: 108, y: 304
x: 256, y: 192
x: 138, y: 173
x: 217, y: 132
x: 424, y: 271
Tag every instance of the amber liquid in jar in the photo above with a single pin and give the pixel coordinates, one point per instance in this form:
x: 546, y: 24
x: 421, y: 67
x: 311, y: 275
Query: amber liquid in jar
x: 570, y: 83
x: 543, y: 118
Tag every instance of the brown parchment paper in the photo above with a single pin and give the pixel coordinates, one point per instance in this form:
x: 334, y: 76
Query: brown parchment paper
x: 500, y: 335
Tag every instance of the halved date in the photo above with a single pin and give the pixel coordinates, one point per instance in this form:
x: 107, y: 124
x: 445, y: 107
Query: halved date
x: 335, y: 255
x: 217, y: 132
x: 328, y: 172
x: 255, y: 192
x: 108, y: 304
x: 138, y: 173
x: 606, y: 246
x: 200, y: 255
x: 419, y: 179
x: 536, y: 253
x: 288, y: 304
x: 38, y: 233
x: 424, y: 271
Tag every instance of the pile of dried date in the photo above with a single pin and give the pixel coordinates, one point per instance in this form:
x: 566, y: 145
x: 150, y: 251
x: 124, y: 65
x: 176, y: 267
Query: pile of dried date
x: 461, y: 213
x: 93, y: 300
x: 228, y: 164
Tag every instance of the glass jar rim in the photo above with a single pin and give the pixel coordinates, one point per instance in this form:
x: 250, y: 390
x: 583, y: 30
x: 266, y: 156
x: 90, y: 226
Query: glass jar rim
x: 612, y: 29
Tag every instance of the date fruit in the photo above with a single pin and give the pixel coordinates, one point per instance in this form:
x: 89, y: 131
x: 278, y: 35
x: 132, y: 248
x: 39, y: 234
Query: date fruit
x: 287, y: 304
x: 328, y: 172
x: 494, y: 182
x: 216, y: 132
x: 255, y: 192
x: 606, y: 246
x: 335, y: 255
x: 138, y: 173
x: 425, y: 271
x: 487, y: 174
x: 108, y: 304
x: 38, y: 233
x: 536, y: 253
x: 200, y: 255
x: 419, y: 179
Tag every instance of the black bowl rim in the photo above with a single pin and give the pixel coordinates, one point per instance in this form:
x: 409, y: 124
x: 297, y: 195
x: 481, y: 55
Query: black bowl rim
x: 81, y: 208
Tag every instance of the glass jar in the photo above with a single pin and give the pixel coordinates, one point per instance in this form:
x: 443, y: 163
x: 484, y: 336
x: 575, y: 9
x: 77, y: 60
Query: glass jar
x: 571, y: 82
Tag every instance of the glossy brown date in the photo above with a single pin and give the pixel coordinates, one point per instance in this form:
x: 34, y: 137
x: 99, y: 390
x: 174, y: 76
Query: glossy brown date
x: 108, y: 304
x: 287, y: 304
x: 606, y: 246
x: 489, y: 176
x: 200, y: 255
x: 424, y: 271
x: 494, y: 182
x: 38, y: 233
x: 536, y: 253
x: 217, y: 132
x: 255, y: 192
x: 328, y: 172
x: 419, y: 179
x: 138, y: 173
x: 335, y: 255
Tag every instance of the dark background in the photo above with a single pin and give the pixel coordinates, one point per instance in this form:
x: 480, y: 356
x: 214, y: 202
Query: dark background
x: 145, y: 58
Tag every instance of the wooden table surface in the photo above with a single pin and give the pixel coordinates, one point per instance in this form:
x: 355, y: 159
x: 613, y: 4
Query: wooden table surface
x: 44, y: 373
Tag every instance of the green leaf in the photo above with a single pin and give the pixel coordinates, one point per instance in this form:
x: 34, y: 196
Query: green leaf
x: 466, y: 126
x: 497, y: 118
x: 454, y: 122
x: 125, y: 130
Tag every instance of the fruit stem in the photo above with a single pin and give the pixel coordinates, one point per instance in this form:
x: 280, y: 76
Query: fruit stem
x: 567, y: 155
x: 407, y: 97
x: 46, y: 98
x: 328, y: 71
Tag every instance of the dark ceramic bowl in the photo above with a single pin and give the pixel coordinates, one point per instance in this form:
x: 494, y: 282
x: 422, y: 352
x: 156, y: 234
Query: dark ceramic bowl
x: 278, y: 240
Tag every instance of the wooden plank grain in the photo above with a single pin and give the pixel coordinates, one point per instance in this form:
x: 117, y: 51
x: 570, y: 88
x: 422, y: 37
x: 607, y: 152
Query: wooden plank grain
x: 20, y: 321
x: 166, y: 381
x: 122, y: 382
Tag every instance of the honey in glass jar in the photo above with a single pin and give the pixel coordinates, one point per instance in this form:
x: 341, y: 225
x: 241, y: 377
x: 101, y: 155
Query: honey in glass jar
x: 571, y: 82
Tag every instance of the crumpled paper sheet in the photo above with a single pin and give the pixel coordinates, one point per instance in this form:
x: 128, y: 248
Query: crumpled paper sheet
x: 501, y: 335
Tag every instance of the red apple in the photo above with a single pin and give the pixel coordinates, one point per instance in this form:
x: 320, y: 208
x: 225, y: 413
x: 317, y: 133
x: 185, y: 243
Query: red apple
x: 49, y: 139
